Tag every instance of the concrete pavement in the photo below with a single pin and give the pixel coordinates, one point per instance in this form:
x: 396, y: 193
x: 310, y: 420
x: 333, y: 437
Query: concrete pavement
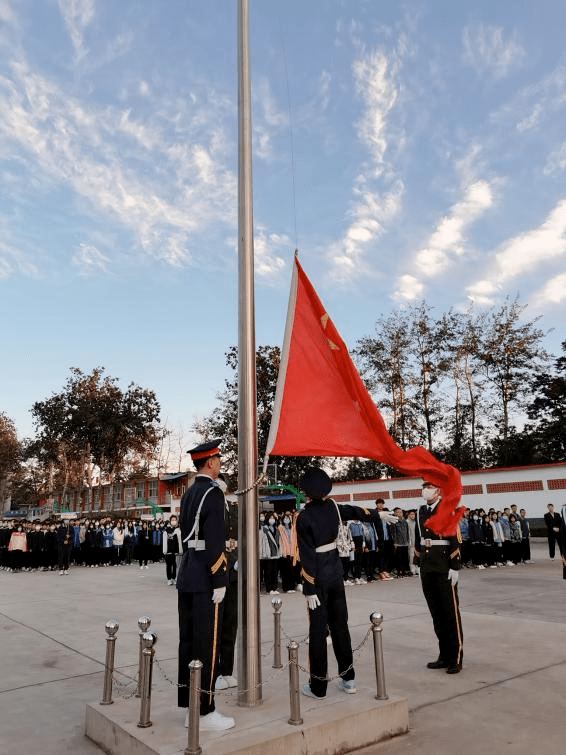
x: 508, y: 699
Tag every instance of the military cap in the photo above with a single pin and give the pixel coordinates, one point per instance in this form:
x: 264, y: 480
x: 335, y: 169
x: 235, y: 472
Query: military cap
x: 316, y: 483
x: 205, y: 450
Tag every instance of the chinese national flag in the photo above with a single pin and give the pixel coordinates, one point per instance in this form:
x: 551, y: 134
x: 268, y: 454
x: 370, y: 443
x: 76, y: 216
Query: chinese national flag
x: 322, y: 407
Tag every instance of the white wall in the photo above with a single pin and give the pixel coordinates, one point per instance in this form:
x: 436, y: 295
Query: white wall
x: 534, y: 501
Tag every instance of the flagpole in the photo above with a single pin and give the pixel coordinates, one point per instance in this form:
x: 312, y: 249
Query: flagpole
x: 249, y: 632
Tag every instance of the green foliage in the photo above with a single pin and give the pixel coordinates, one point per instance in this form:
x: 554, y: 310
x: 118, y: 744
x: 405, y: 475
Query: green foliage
x: 92, y: 421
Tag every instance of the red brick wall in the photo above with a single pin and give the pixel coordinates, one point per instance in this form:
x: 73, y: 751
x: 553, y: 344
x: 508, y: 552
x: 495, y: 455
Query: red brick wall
x: 472, y: 489
x: 514, y: 487
x: 415, y: 493
x: 371, y: 495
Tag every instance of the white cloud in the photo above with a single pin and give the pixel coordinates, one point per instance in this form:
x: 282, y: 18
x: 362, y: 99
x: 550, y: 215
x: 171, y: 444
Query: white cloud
x: 556, y: 161
x: 7, y: 14
x: 97, y: 153
x: 371, y: 214
x: 487, y: 50
x: 529, y: 108
x: 77, y: 14
x: 376, y: 80
x: 90, y: 260
x: 267, y: 248
x: 447, y: 241
x: 409, y: 288
x: 524, y: 253
x: 375, y: 77
x: 268, y: 120
x: 553, y: 292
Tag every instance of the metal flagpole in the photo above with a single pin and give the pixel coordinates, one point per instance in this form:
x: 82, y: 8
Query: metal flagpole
x: 249, y: 634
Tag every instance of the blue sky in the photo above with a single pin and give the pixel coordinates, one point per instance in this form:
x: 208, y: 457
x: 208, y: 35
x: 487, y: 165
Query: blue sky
x: 410, y: 150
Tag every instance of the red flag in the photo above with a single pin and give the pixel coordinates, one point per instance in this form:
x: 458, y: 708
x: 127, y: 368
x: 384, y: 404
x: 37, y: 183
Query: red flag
x: 322, y: 407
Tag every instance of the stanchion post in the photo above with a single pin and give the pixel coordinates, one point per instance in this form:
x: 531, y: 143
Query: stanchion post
x: 111, y: 628
x: 144, y: 622
x: 148, y: 641
x: 277, y: 603
x: 295, y: 718
x: 193, y: 747
x: 376, y: 619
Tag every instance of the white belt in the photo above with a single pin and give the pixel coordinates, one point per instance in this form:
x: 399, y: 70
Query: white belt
x: 198, y: 545
x: 428, y: 542
x: 326, y: 548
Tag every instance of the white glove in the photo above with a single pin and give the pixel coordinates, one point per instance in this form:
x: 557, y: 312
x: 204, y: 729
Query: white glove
x: 312, y: 601
x: 218, y: 594
x: 385, y: 516
x: 453, y: 576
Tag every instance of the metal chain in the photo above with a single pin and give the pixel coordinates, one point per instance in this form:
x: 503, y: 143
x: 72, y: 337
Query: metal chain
x: 262, y: 477
x: 223, y: 692
x: 276, y: 672
x: 122, y: 686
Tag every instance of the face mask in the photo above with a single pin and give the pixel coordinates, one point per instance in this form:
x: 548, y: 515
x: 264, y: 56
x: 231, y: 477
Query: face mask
x: 429, y: 493
x: 173, y: 523
x: 37, y: 527
x: 262, y: 519
x: 287, y: 520
x: 272, y: 521
x: 476, y: 518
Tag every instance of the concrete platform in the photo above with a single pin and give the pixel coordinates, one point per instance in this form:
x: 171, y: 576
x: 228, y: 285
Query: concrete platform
x: 340, y: 724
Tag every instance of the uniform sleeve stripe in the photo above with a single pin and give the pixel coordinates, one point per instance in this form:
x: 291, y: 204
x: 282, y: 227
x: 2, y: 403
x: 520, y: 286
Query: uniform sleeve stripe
x: 222, y: 561
x: 307, y: 576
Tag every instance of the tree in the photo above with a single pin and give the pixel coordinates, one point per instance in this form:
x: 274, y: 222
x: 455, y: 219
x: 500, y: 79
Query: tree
x: 548, y: 410
x: 10, y: 455
x: 93, y: 424
x: 462, y: 421
x: 223, y: 420
x: 512, y: 355
x: 385, y: 365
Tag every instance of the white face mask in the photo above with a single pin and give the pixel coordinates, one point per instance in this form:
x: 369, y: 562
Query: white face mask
x: 287, y: 520
x: 272, y: 521
x: 429, y: 493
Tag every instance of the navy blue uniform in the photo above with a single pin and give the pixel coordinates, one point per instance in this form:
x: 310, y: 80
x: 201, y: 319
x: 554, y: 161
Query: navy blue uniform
x: 435, y: 561
x: 203, y: 568
x: 317, y: 525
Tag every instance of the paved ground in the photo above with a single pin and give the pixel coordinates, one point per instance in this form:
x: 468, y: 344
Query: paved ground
x: 508, y: 699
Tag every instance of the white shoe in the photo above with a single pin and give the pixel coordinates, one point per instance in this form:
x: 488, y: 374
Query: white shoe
x: 274, y: 592
x: 61, y: 573
x: 347, y: 686
x: 169, y: 581
x: 221, y: 683
x: 231, y: 681
x: 510, y: 563
x: 288, y: 591
x: 215, y: 721
x: 300, y: 588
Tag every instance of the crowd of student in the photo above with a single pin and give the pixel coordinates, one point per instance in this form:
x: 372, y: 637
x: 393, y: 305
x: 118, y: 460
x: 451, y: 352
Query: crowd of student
x: 55, y: 545
x: 369, y: 551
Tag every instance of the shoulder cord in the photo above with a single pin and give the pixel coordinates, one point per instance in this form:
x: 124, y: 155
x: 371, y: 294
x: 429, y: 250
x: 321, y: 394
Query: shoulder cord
x: 197, y: 517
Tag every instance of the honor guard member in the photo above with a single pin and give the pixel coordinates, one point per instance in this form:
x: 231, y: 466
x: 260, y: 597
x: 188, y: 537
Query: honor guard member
x: 439, y: 561
x: 201, y: 583
x: 317, y: 530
